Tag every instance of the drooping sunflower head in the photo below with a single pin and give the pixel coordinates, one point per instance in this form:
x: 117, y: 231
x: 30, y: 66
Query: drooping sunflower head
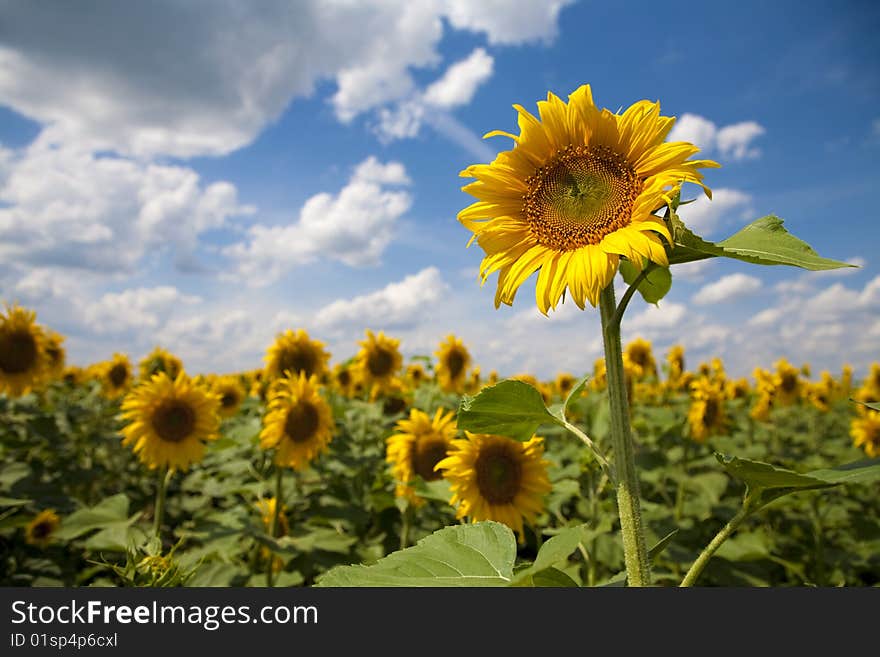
x: 418, y: 445
x: 115, y: 376
x: 378, y: 361
x: 497, y: 478
x: 293, y: 353
x: 577, y: 192
x: 39, y: 530
x: 231, y: 392
x: 640, y: 359
x: 169, y: 421
x: 865, y: 431
x: 299, y: 424
x: 160, y: 360
x: 453, y: 360
x: 707, y: 414
x: 24, y: 363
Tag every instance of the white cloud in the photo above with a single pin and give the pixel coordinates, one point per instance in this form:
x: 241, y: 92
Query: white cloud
x: 399, y: 304
x: 693, y: 271
x: 664, y: 315
x: 704, y: 216
x: 505, y: 22
x: 354, y: 226
x: 460, y: 81
x: 732, y: 141
x: 766, y: 317
x: 727, y: 288
x: 135, y: 309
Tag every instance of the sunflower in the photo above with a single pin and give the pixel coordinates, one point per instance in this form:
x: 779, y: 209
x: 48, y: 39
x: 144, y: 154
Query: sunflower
x: 564, y: 383
x: 169, y: 421
x: 706, y: 415
x: 73, y: 375
x: 497, y: 478
x: 453, y: 359
x: 640, y: 359
x: 416, y: 375
x: 600, y: 377
x: 299, y: 424
x: 55, y: 355
x: 266, y: 507
x: 865, y: 431
x: 378, y: 361
x: 23, y: 360
x: 474, y: 381
x: 231, y: 393
x: 787, y: 382
x: 577, y: 191
x: 675, y: 362
x: 343, y: 379
x: 419, y: 444
x: 295, y: 352
x: 738, y: 389
x: 115, y: 376
x: 160, y: 360
x: 39, y: 530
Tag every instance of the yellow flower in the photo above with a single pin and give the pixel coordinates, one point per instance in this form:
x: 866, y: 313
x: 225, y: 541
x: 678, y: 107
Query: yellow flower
x: 160, y: 360
x: 577, y: 192
x: 639, y: 359
x: 115, y: 376
x: 169, y: 421
x: 295, y: 353
x: 55, y: 355
x: 39, y: 530
x: 453, y: 359
x: 600, y: 378
x: 231, y: 393
x: 299, y: 424
x: 417, y: 446
x: 378, y: 361
x: 266, y: 507
x: 737, y: 389
x: 865, y: 431
x: 474, y: 383
x: 564, y: 383
x: 497, y: 478
x: 73, y: 375
x: 343, y: 379
x: 706, y: 416
x: 24, y: 363
x: 415, y: 374
x: 675, y: 361
x: 788, y: 383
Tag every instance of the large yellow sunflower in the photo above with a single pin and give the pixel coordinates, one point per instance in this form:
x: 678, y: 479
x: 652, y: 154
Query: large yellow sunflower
x: 299, y: 424
x: 378, y: 361
x: 578, y: 190
x: 169, y: 421
x: 24, y: 363
x: 39, y: 530
x: 231, y: 393
x: 296, y: 352
x: 115, y: 376
x: 865, y: 431
x: 497, y: 478
x: 160, y: 360
x: 453, y: 359
x: 419, y: 444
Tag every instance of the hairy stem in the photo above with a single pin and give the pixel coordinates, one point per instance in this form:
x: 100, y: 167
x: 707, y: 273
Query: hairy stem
x: 691, y: 577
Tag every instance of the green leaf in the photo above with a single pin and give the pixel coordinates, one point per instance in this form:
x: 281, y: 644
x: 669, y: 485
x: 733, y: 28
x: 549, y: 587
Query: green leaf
x: 479, y: 554
x: 108, y: 512
x: 763, y: 242
x: 12, y: 501
x: 574, y: 393
x: 657, y: 550
x: 509, y: 408
x: 554, y: 550
x: 872, y: 405
x: 547, y: 578
x: 654, y: 286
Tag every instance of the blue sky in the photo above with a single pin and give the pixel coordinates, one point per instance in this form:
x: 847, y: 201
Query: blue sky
x: 202, y: 176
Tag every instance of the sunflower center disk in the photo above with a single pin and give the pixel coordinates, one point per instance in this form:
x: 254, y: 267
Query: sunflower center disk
x: 426, y: 455
x: 41, y: 530
x: 380, y: 362
x: 579, y: 197
x: 296, y: 362
x: 18, y: 352
x: 710, y: 412
x: 302, y: 423
x: 455, y: 364
x: 228, y: 400
x: 174, y: 421
x: 118, y: 374
x: 499, y: 475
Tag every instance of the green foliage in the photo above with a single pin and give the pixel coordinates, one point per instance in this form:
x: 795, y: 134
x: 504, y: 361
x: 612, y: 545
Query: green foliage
x: 654, y: 286
x: 509, y: 408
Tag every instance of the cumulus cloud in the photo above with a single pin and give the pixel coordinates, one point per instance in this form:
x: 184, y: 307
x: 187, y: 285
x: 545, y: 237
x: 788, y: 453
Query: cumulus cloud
x: 507, y: 23
x: 704, y: 217
x: 664, y: 315
x: 134, y: 309
x: 727, y: 288
x: 353, y: 226
x: 396, y: 305
x: 732, y: 141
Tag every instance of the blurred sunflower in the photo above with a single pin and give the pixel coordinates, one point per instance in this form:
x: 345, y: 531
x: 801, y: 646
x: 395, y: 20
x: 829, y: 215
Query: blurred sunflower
x: 266, y: 507
x: 55, y: 355
x: 299, y: 424
x: 419, y: 444
x: 416, y: 375
x: 231, y: 393
x: 639, y: 358
x: 675, y: 363
x: 787, y: 382
x: 296, y: 353
x: 39, y: 530
x: 343, y: 379
x: 600, y: 377
x: 73, y: 375
x: 115, y: 376
x: 169, y: 421
x: 564, y: 383
x: 23, y: 360
x: 160, y: 360
x: 497, y: 478
x: 453, y: 359
x: 577, y: 192
x: 378, y: 361
x: 865, y: 431
x: 706, y: 416
x: 736, y: 389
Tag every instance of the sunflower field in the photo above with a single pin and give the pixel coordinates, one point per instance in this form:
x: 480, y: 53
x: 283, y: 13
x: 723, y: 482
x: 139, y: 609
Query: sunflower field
x: 369, y: 469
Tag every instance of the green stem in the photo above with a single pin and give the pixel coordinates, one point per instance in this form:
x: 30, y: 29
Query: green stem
x: 679, y: 494
x: 635, y: 550
x: 597, y: 453
x: 691, y: 577
x: 273, y: 526
x: 404, y: 529
x: 159, y: 509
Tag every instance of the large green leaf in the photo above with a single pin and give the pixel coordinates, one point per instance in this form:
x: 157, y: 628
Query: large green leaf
x: 763, y: 242
x: 108, y: 512
x: 509, y: 408
x: 554, y: 550
x: 654, y: 286
x: 479, y: 554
